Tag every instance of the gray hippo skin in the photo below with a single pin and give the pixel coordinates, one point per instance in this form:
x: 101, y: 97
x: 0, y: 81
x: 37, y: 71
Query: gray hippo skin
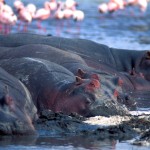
x: 92, y: 52
x: 17, y: 111
x: 95, y: 55
x: 132, y: 66
x: 71, y: 61
x: 56, y: 88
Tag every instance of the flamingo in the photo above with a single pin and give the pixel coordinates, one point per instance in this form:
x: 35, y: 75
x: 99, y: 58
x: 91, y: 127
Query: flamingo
x: 59, y: 14
x: 42, y: 14
x: 18, y: 5
x: 143, y: 5
x: 25, y: 16
x: 103, y: 8
x: 7, y: 20
x: 31, y: 8
x: 120, y: 3
x: 7, y: 16
x: 53, y: 5
x: 112, y: 7
x: 70, y: 4
x: 78, y: 15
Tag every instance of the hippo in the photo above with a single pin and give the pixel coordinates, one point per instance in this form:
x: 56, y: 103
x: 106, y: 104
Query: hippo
x: 56, y: 88
x: 17, y: 111
x: 129, y: 65
x: 93, y: 53
x: 72, y: 62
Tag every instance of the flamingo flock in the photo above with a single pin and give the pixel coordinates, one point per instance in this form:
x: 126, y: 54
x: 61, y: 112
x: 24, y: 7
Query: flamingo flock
x: 114, y: 5
x: 26, y: 14
x: 22, y: 15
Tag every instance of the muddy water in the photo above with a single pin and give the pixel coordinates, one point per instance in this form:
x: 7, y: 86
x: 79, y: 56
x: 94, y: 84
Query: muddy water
x: 128, y: 29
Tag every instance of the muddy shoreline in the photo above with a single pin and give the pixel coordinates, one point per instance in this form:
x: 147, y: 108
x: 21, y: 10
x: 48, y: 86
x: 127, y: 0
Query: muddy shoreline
x: 129, y: 127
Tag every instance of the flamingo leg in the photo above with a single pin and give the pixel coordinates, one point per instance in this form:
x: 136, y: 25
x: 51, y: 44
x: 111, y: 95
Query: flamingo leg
x: 40, y: 26
x: 19, y: 25
x: 25, y: 27
x: 1, y: 28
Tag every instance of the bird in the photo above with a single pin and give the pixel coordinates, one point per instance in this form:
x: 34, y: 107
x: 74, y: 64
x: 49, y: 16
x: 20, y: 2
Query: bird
x: 42, y: 14
x: 59, y: 13
x: 103, y: 8
x: 78, y: 15
x: 70, y: 4
x: 53, y: 5
x: 7, y: 19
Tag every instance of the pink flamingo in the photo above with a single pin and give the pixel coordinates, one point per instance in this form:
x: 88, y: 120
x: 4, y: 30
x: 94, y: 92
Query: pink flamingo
x: 103, y: 8
x: 31, y: 8
x: 70, y: 4
x: 18, y: 5
x: 25, y: 16
x: 7, y: 20
x: 141, y: 3
x: 120, y: 3
x: 42, y: 14
x: 53, y: 5
x: 112, y: 6
x: 78, y: 15
x: 59, y: 14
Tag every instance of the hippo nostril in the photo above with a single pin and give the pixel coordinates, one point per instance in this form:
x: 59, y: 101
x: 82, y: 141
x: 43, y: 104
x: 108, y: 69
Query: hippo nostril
x: 148, y: 55
x: 88, y: 102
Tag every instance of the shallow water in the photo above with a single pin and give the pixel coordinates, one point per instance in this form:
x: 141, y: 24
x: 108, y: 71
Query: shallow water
x: 128, y: 29
x: 65, y: 142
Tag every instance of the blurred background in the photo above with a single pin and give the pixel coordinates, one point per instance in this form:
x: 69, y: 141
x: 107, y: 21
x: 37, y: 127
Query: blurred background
x: 126, y: 27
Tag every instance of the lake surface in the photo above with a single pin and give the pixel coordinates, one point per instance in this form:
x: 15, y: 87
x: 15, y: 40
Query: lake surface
x: 65, y: 142
x: 128, y: 29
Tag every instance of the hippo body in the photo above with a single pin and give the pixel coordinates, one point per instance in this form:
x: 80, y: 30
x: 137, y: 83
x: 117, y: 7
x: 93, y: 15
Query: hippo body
x: 68, y: 60
x: 92, y: 52
x: 72, y: 62
x: 52, y: 86
x: 132, y: 66
x: 17, y: 111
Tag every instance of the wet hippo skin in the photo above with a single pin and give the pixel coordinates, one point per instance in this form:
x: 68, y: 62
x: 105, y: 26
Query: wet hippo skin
x: 17, y: 111
x: 132, y: 66
x: 54, y: 87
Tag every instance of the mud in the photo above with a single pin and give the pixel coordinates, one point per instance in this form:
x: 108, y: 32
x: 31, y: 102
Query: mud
x: 116, y: 127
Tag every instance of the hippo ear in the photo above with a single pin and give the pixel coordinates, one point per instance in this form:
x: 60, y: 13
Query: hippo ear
x: 148, y: 55
x: 8, y: 99
x: 94, y: 83
x: 81, y: 73
x: 95, y: 76
x: 78, y: 80
x: 6, y: 90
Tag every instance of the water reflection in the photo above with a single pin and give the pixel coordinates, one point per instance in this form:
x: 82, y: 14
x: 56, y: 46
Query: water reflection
x: 65, y: 142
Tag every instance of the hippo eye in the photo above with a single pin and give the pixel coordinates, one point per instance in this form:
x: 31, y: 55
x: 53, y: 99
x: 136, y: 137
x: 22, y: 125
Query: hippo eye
x: 88, y: 101
x: 92, y: 84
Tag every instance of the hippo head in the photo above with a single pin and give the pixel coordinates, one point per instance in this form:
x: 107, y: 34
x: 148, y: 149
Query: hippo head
x: 144, y: 65
x: 78, y: 97
x: 16, y: 112
x: 83, y: 97
x: 87, y: 75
